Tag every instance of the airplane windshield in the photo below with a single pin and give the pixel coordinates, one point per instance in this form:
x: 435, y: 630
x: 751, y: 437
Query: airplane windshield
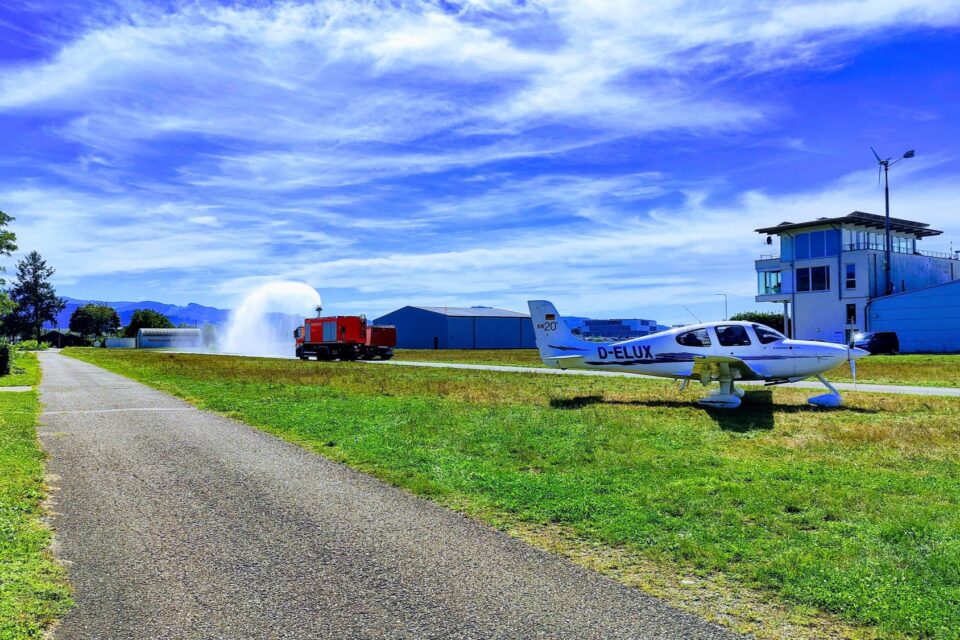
x: 733, y: 335
x: 695, y: 338
x: 766, y: 335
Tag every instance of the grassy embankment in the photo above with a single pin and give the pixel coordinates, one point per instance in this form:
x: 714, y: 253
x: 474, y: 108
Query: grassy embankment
x: 33, y: 588
x: 922, y: 370
x: 24, y: 370
x: 853, y: 511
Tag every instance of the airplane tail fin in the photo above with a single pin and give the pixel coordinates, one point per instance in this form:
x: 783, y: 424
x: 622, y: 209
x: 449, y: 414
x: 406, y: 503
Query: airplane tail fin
x: 554, y: 339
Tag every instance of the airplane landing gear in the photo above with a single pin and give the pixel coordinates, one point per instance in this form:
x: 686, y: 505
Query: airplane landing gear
x: 831, y: 399
x: 727, y: 396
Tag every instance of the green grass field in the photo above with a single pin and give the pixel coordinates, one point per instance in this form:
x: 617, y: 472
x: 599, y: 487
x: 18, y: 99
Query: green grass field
x: 854, y: 511
x: 24, y: 370
x: 923, y: 370
x: 33, y: 588
x: 913, y: 369
x: 510, y: 357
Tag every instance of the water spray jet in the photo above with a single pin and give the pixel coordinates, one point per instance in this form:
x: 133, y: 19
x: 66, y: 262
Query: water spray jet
x: 263, y: 323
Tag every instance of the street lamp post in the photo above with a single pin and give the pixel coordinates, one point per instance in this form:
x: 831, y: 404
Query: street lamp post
x: 726, y: 312
x: 888, y: 242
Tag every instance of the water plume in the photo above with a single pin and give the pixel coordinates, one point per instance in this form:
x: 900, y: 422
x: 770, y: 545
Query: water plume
x: 263, y: 323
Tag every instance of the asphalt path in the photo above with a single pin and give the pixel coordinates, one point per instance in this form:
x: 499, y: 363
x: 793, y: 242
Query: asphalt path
x: 178, y: 523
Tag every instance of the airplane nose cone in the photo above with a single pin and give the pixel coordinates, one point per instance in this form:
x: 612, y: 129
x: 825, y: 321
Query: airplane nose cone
x: 856, y: 353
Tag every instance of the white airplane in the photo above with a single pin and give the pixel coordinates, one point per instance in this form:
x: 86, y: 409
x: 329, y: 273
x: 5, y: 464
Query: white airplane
x: 722, y: 351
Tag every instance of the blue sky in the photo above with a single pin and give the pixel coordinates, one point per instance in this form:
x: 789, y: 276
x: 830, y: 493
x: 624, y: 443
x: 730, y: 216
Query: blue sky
x: 612, y: 156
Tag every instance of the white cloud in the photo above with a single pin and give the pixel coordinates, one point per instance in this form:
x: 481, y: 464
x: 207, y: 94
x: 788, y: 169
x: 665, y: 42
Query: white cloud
x: 302, y: 75
x: 687, y: 252
x: 252, y: 142
x: 624, y: 259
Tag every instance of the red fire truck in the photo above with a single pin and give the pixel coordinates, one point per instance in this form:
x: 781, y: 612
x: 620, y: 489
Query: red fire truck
x: 344, y: 338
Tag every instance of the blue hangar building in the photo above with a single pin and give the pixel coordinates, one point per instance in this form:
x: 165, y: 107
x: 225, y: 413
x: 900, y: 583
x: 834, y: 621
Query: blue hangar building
x: 460, y: 328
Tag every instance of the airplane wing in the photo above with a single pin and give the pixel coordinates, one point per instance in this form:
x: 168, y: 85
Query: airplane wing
x: 711, y: 365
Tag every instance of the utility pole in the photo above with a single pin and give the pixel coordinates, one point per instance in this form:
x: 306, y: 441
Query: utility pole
x: 888, y: 241
x: 726, y: 312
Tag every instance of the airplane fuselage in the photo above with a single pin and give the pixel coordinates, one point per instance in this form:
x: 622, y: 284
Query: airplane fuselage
x: 724, y: 352
x: 664, y: 354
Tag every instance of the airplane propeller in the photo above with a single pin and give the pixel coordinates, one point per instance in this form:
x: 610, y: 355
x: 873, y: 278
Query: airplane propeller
x: 853, y: 365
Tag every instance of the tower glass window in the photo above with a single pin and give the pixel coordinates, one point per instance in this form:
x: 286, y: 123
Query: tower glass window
x: 813, y: 279
x: 768, y: 282
x: 817, y: 244
x: 818, y: 278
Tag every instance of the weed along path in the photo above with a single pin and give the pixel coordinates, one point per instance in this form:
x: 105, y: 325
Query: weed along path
x: 178, y: 523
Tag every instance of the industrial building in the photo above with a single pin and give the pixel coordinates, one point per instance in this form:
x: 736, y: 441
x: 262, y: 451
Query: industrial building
x: 925, y: 320
x: 831, y: 278
x: 169, y: 339
x: 460, y: 328
x: 618, y: 329
x: 59, y: 338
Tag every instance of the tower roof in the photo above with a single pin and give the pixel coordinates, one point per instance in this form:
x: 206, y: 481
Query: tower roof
x: 861, y: 219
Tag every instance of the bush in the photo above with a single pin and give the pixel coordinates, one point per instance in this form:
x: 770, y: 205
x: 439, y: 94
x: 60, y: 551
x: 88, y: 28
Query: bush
x: 32, y: 345
x: 772, y: 319
x: 4, y: 358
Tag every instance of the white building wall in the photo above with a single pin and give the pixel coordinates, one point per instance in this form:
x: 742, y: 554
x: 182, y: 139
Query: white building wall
x: 822, y: 315
x: 914, y: 272
x: 121, y: 343
x: 925, y: 320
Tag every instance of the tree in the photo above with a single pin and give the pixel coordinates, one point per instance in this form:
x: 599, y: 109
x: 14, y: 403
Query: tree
x: 35, y: 297
x: 771, y: 319
x: 8, y: 240
x: 146, y: 319
x: 94, y: 320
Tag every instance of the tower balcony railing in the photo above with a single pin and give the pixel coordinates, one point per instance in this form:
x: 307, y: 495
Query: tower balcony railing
x: 937, y: 254
x: 874, y: 246
x: 906, y: 249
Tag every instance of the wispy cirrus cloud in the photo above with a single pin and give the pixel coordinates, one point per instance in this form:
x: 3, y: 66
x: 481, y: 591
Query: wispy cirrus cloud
x: 458, y: 150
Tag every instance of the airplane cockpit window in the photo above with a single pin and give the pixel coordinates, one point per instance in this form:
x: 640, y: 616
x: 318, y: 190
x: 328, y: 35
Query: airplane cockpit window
x: 694, y: 338
x: 733, y: 335
x: 766, y: 335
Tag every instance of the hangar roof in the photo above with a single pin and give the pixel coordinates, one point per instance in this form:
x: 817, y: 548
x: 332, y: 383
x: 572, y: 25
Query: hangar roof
x: 474, y: 312
x: 919, y: 229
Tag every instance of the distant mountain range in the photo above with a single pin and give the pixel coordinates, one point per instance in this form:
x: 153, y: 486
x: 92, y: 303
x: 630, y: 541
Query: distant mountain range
x: 191, y: 314
x: 194, y: 315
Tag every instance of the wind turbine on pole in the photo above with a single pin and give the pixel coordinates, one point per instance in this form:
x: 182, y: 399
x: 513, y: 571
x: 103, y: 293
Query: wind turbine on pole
x: 887, y: 245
